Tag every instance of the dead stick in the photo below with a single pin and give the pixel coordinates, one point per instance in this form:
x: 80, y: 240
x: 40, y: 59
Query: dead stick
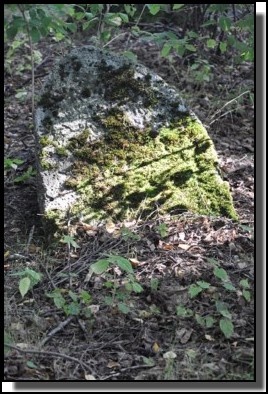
x: 41, y: 353
x: 56, y: 329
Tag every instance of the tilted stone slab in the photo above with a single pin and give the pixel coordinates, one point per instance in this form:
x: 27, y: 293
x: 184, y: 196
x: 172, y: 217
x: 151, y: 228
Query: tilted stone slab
x: 115, y: 141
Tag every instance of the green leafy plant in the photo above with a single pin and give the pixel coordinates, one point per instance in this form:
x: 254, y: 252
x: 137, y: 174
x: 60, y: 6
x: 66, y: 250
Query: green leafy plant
x: 12, y: 163
x: 71, y: 303
x: 120, y: 292
x: 7, y: 341
x: 128, y: 234
x: 245, y: 292
x: 29, y: 279
x: 30, y: 173
x: 184, y: 312
x: 248, y: 229
x: 201, y: 70
x: 70, y: 241
x: 222, y: 314
x: 162, y: 229
x: 154, y: 284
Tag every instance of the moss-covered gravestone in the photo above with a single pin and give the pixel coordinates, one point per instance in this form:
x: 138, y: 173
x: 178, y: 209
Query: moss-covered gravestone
x: 115, y: 141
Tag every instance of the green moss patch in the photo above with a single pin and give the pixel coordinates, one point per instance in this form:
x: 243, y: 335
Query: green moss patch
x: 129, y: 172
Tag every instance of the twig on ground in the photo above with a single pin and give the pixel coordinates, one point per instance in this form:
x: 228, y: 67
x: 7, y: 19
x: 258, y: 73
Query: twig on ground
x: 127, y: 369
x: 49, y: 354
x: 56, y: 329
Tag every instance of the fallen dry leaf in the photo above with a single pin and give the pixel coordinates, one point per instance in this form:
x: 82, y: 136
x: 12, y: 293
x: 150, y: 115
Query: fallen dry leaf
x: 113, y: 364
x: 90, y: 377
x: 134, y: 262
x: 184, y: 246
x: 209, y: 338
x: 155, y: 347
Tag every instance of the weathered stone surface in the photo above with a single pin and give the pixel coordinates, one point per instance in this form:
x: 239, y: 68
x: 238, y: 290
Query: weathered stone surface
x: 114, y: 140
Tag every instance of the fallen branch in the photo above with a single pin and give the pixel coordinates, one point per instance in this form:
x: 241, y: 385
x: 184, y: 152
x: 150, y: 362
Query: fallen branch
x: 56, y: 329
x: 49, y: 354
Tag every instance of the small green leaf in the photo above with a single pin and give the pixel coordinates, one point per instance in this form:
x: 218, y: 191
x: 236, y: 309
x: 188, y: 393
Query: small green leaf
x: 86, y: 25
x: 149, y: 361
x: 122, y: 263
x: 73, y: 296
x: 87, y: 312
x: 72, y: 309
x: 229, y: 286
x: 200, y: 320
x: 8, y: 341
x: 246, y: 295
x: 180, y: 50
x: 35, y: 34
x: 130, y: 55
x: 226, y: 313
x: 181, y: 310
x: 212, y: 261
x: 130, y: 9
x: 154, y: 283
x: 137, y: 287
x: 79, y: 15
x: 177, y: 6
x: 192, y: 34
x: 85, y: 296
x: 108, y: 301
x: 71, y: 26
x: 34, y: 276
x: 220, y: 273
x: 223, y: 47
x: 67, y: 239
x: 227, y: 327
x: 222, y: 309
x: 31, y: 364
x: 26, y: 175
x: 12, y: 163
x: 225, y: 23
x: 190, y: 47
x: 121, y: 296
x: 124, y: 17
x: 109, y: 285
x: 184, y: 312
x: 211, y: 43
x: 195, y: 66
x: 210, y: 321
x: 24, y: 286
x: 11, y: 32
x: 194, y: 290
x: 123, y: 308
x: 59, y: 301
x: 100, y: 266
x: 162, y: 229
x: 112, y: 19
x: 246, y: 228
x: 89, y: 15
x: 129, y: 286
x: 208, y: 23
x: 153, y: 8
x: 204, y: 285
x: 165, y: 50
x: 244, y: 283
x: 21, y: 95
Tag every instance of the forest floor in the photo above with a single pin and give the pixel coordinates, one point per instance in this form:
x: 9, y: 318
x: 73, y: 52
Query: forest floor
x: 167, y: 331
